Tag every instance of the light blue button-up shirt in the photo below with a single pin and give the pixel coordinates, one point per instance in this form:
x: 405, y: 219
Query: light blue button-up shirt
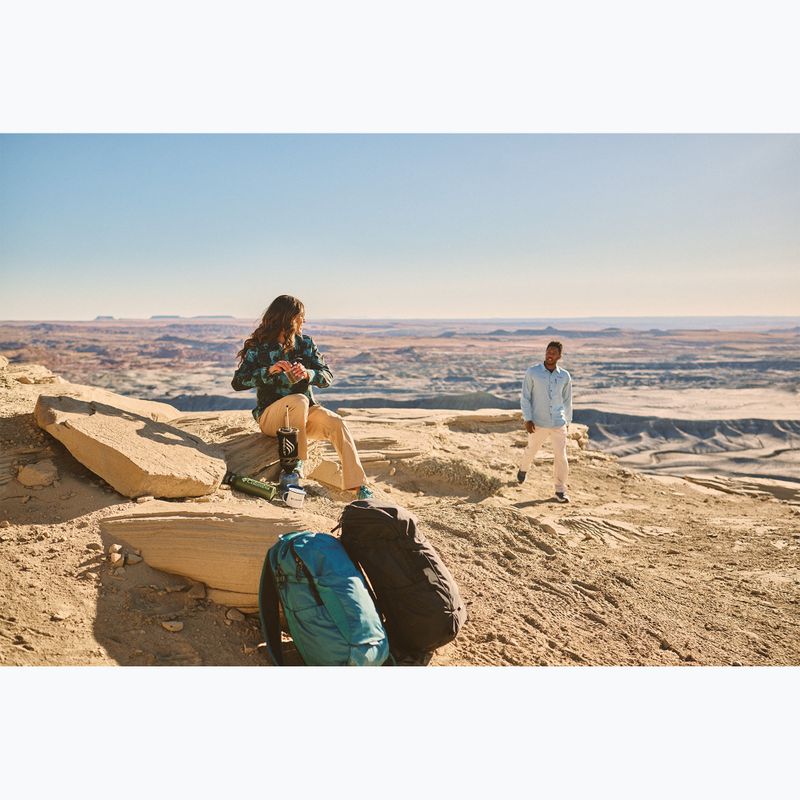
x: 546, y: 397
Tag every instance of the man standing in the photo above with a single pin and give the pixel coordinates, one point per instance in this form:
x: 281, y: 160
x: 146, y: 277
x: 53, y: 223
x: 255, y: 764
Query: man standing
x: 546, y: 402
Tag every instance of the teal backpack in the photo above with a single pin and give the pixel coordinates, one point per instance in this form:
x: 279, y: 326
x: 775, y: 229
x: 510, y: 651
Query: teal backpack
x: 330, y: 614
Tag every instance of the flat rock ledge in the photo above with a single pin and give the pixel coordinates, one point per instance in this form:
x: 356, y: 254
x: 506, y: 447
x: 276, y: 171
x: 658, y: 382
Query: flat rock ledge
x: 130, y: 449
x: 216, y: 545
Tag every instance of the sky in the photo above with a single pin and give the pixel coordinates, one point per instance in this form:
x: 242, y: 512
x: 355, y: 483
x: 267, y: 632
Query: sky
x: 420, y: 226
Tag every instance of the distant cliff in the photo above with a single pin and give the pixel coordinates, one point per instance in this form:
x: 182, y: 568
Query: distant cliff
x: 467, y: 401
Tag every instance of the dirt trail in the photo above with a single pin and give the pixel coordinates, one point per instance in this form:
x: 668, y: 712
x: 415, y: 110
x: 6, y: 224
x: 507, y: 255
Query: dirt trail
x: 636, y: 570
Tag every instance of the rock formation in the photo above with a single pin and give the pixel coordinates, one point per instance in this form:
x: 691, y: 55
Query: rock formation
x: 131, y: 451
x: 215, y: 544
x: 246, y: 450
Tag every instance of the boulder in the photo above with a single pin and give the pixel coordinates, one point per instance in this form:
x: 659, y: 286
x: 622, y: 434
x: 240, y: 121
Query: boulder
x: 245, y: 449
x: 578, y: 435
x: 328, y: 472
x: 42, y: 473
x: 130, y: 450
x: 221, y: 545
x: 32, y: 373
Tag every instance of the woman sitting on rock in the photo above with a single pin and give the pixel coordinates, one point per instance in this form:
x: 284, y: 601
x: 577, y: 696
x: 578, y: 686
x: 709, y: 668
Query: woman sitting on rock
x: 282, y: 365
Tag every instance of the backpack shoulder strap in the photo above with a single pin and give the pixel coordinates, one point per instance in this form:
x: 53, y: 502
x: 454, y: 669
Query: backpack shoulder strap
x: 268, y: 603
x: 333, y: 609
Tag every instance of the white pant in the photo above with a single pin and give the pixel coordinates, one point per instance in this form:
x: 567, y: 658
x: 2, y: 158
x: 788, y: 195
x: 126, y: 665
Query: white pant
x: 558, y: 440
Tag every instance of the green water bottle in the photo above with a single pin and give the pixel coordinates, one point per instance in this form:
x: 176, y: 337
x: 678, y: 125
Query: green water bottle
x: 250, y: 486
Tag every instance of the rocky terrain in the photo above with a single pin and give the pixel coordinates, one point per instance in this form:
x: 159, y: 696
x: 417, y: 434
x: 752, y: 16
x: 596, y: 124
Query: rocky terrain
x: 637, y: 570
x: 665, y: 400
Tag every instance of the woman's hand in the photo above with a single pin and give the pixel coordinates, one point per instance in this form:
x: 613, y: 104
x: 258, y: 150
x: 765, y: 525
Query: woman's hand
x: 280, y: 366
x: 299, y: 372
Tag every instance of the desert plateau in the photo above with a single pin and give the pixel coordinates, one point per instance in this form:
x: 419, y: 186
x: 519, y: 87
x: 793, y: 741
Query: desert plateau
x: 680, y: 546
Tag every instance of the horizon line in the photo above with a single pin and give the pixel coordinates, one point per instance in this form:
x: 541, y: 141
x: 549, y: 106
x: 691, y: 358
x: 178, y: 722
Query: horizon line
x: 167, y: 317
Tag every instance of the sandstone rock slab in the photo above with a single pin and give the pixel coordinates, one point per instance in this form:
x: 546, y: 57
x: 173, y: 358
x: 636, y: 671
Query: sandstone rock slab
x: 245, y: 449
x: 219, y: 544
x: 151, y: 409
x: 131, y: 451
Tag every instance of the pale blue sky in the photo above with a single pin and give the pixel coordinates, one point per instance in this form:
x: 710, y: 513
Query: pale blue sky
x: 399, y: 226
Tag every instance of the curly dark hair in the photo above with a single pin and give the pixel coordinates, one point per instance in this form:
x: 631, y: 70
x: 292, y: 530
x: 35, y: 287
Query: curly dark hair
x: 555, y: 344
x: 277, y: 319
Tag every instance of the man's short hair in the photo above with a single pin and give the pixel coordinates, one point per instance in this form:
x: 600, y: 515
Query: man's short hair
x: 557, y: 345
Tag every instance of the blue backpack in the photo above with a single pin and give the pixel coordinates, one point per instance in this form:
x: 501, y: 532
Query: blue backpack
x: 330, y: 614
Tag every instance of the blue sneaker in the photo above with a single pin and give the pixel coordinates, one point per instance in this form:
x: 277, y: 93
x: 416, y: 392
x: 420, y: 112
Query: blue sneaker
x: 521, y: 476
x: 364, y: 492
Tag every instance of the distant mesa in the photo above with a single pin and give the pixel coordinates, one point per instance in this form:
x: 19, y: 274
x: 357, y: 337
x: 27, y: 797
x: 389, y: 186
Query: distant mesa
x: 213, y: 316
x: 363, y: 358
x: 102, y: 317
x: 549, y: 331
x: 166, y: 316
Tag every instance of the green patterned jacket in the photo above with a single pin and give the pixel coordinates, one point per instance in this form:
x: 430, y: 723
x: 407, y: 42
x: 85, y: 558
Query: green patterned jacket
x: 253, y: 372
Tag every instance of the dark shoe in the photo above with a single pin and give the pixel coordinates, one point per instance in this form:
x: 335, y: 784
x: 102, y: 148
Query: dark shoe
x: 521, y: 476
x: 562, y: 497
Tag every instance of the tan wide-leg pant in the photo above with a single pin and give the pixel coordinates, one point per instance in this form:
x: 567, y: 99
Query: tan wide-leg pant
x: 315, y: 422
x: 558, y: 439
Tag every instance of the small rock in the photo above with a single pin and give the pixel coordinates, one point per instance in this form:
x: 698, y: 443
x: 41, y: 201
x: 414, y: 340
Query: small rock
x: 234, y: 615
x: 197, y: 591
x: 388, y: 489
x: 393, y: 471
x: 42, y: 473
x: 115, y: 548
x: 60, y: 615
x: 420, y: 494
x: 83, y: 524
x: 119, y: 573
x: 5, y: 524
x: 24, y: 499
x: 175, y: 587
x: 173, y: 626
x: 133, y: 558
x: 116, y: 559
x: 145, y: 498
x: 94, y: 546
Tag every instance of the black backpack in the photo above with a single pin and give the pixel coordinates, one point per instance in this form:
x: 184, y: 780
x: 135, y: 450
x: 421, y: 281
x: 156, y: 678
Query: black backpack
x: 414, y: 591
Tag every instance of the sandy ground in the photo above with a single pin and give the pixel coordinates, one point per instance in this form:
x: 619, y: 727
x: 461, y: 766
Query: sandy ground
x: 637, y: 570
